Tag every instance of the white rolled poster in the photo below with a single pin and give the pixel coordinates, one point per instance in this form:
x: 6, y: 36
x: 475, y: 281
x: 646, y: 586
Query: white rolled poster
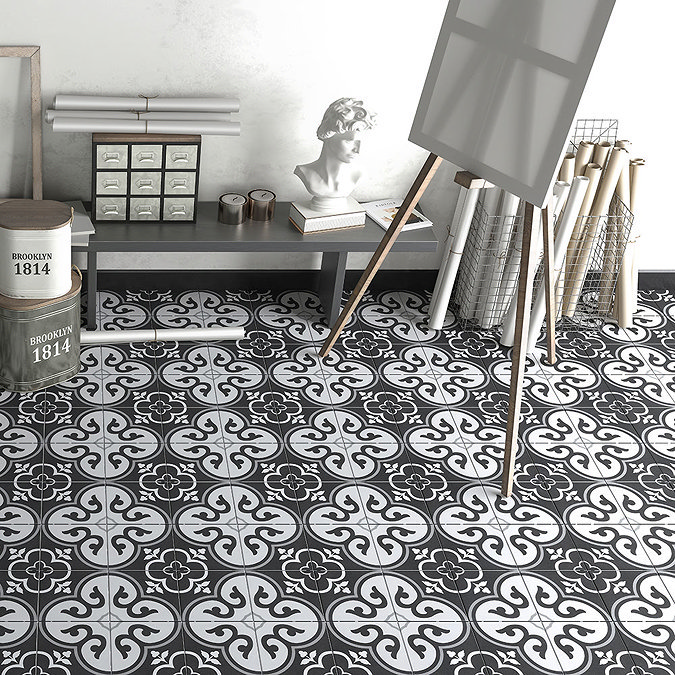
x: 51, y: 115
x: 140, y: 103
x: 142, y: 126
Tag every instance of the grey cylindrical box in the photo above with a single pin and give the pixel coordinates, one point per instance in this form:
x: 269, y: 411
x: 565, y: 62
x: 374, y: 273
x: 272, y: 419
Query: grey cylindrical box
x: 261, y: 205
x: 232, y: 208
x: 40, y: 340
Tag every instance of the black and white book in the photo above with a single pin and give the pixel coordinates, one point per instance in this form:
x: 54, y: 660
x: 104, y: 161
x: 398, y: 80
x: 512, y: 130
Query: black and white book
x: 383, y: 212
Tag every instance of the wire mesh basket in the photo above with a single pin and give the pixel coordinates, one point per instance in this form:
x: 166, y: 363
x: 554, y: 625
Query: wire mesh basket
x: 585, y: 284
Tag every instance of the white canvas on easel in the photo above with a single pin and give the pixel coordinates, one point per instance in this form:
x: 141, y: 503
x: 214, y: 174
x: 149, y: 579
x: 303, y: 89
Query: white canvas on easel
x: 504, y: 85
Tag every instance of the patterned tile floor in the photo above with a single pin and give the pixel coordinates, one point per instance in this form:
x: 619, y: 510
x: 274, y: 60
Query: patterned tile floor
x: 212, y: 508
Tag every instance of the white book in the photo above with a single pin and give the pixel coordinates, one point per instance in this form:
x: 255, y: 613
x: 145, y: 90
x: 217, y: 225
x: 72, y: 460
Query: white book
x: 383, y: 212
x: 308, y: 219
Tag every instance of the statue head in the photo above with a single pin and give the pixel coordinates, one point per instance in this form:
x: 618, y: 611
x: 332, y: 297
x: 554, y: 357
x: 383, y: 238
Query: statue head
x: 341, y: 128
x: 343, y: 115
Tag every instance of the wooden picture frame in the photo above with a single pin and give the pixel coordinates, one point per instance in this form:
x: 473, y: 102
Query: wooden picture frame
x: 32, y: 53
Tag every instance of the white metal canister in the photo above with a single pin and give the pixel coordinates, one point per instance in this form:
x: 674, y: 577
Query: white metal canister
x: 35, y: 248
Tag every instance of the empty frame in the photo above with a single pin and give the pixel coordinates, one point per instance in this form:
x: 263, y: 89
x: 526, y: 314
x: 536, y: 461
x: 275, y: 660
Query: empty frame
x: 504, y: 84
x: 32, y: 53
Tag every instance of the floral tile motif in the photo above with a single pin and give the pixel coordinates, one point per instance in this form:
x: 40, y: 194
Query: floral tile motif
x: 249, y: 507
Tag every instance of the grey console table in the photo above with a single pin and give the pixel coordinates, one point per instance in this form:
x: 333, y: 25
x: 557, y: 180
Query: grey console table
x: 276, y: 236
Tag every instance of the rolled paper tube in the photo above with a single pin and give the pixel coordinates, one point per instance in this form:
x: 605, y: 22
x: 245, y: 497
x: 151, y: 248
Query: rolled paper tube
x: 563, y: 234
x: 560, y: 192
x: 112, y: 126
x: 600, y: 152
x: 566, y: 172
x: 475, y: 303
x: 140, y: 103
x: 623, y: 144
x: 51, y: 115
x: 617, y: 160
x: 509, y: 282
x: 97, y: 337
x: 593, y: 172
x: 611, y: 258
x: 504, y: 227
x: 509, y: 325
x: 583, y: 157
x: 442, y: 268
x: 448, y: 274
x: 635, y: 171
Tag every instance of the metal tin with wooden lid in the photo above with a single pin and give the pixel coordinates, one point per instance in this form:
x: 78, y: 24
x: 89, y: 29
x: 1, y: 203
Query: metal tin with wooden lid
x: 35, y: 248
x: 40, y: 339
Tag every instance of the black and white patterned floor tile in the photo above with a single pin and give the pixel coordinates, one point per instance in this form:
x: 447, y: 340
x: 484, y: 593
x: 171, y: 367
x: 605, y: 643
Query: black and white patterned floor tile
x: 212, y: 508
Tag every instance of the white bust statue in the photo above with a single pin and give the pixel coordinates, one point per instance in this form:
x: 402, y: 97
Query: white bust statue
x: 333, y: 176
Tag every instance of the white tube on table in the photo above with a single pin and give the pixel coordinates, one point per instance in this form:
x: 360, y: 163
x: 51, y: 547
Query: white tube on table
x: 509, y: 326
x: 493, y: 309
x: 617, y: 160
x: 51, y: 115
x: 96, y: 337
x: 139, y: 103
x: 133, y: 126
x: 563, y: 234
x: 448, y: 274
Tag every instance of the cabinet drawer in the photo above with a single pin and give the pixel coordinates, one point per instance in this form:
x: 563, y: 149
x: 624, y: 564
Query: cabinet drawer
x: 144, y: 208
x: 181, y: 157
x: 146, y: 182
x: 111, y: 208
x: 112, y: 156
x: 180, y: 183
x: 111, y: 182
x: 178, y: 208
x: 146, y: 156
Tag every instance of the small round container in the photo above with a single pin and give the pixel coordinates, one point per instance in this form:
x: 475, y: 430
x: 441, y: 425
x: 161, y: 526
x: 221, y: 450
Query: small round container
x: 232, y: 208
x: 35, y: 248
x: 261, y: 205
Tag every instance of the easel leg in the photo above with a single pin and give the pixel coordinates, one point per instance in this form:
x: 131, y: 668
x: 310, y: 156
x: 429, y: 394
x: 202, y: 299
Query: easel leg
x: 549, y: 283
x: 401, y: 218
x: 519, y: 351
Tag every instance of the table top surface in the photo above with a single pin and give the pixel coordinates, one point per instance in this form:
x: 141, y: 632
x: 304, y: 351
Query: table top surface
x: 277, y: 235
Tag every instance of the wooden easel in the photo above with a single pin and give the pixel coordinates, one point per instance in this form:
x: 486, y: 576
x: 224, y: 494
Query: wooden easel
x: 524, y: 300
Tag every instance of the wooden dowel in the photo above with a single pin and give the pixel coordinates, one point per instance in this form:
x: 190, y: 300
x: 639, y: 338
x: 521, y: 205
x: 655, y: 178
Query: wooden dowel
x: 524, y: 299
x: 36, y: 122
x: 401, y: 218
x: 549, y: 284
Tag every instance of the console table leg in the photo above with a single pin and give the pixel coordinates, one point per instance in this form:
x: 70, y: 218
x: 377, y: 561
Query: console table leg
x: 331, y: 283
x: 91, y: 289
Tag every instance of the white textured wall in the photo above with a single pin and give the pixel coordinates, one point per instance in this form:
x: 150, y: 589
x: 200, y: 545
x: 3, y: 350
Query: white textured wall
x: 286, y: 61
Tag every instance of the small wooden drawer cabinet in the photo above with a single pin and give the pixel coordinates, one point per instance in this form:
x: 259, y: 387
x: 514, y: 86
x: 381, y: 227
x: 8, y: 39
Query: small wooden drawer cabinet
x: 145, y: 177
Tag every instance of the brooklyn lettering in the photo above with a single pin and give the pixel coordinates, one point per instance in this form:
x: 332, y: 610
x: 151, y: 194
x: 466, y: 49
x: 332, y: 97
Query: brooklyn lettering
x: 31, y: 256
x: 52, y: 335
